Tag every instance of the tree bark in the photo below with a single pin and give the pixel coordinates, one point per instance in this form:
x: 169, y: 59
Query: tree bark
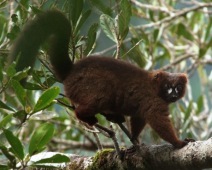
x: 196, y: 155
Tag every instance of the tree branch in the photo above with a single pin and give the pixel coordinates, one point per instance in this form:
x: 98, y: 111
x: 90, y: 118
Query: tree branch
x: 195, y: 156
x: 65, y: 144
x: 180, y: 13
x: 151, y: 7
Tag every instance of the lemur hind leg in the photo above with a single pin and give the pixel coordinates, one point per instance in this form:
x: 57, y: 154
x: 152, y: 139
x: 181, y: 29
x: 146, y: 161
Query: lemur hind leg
x: 119, y: 120
x: 111, y: 134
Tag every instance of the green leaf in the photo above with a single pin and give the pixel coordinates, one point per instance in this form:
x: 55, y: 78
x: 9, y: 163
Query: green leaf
x: 204, y: 48
x: 35, y: 10
x: 4, y: 106
x: 46, y: 98
x: 21, y: 74
x: 4, y: 167
x: 82, y: 20
x: 75, y: 10
x: 91, y: 39
x: 208, y: 30
x: 11, y: 70
x: 200, y: 104
x: 1, y: 70
x: 15, y: 144
x: 19, y: 90
x: 108, y: 26
x: 58, y: 158
x: 188, y: 111
x: 124, y: 18
x: 155, y: 34
x: 5, y: 120
x: 165, y: 52
x: 40, y: 138
x: 36, y: 76
x: 3, y: 4
x: 102, y: 7
x: 183, y: 31
x: 32, y: 86
x: 7, y: 153
x: 136, y: 54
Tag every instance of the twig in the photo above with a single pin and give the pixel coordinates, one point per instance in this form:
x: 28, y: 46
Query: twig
x: 110, y: 134
x: 175, y: 16
x: 77, y: 145
x: 206, y: 61
x: 66, y: 105
x: 99, y: 145
x: 151, y: 7
x: 178, y: 60
x: 109, y: 49
x: 138, y: 43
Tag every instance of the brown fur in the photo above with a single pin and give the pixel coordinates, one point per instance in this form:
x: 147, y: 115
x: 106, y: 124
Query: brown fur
x: 103, y: 85
x: 117, y: 89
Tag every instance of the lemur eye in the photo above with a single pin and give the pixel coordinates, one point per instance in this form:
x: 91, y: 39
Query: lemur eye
x: 169, y: 90
x: 178, y: 88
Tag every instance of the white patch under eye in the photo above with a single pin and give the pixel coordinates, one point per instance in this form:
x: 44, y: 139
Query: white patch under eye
x: 169, y: 90
x: 176, y: 90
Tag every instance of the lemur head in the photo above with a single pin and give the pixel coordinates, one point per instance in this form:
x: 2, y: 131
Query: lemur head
x: 171, y: 86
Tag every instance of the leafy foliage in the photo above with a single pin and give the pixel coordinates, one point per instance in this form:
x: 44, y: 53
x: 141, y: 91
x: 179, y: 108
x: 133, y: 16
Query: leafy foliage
x: 36, y: 117
x: 40, y: 138
x: 15, y: 143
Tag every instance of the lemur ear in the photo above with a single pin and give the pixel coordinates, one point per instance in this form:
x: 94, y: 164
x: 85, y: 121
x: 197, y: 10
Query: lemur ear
x: 157, y: 76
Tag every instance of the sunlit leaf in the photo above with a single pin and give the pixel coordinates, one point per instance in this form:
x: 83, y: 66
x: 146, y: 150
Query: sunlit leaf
x: 41, y: 136
x: 58, y: 158
x: 21, y: 74
x: 5, y: 120
x: 108, y: 26
x: 46, y: 98
x: 19, y: 90
x: 11, y: 70
x: 124, y: 18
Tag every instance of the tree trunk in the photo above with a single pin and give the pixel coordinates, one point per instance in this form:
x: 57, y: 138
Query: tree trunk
x: 196, y: 156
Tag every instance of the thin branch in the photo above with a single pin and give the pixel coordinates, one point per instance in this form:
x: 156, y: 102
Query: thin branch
x: 177, y: 61
x: 68, y: 144
x: 151, y: 7
x: 209, y: 61
x: 109, y: 49
x: 175, y: 16
x: 66, y: 105
x: 99, y: 145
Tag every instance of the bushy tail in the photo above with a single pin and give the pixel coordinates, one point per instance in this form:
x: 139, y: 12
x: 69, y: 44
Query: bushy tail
x: 50, y: 24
